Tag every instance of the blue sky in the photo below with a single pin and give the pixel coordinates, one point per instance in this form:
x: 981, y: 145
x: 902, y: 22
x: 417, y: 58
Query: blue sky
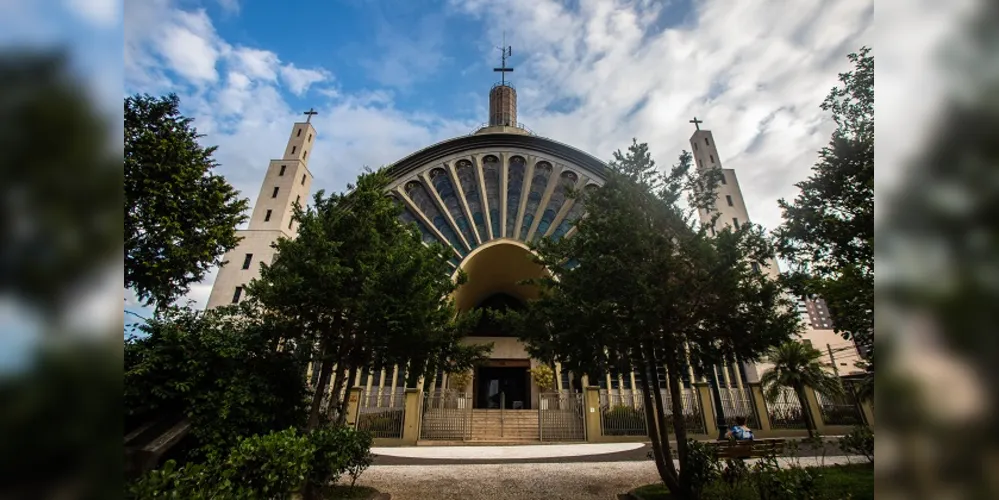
x: 391, y: 76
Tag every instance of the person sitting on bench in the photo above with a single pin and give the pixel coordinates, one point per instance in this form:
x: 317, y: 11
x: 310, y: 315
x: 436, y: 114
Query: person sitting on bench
x: 739, y: 431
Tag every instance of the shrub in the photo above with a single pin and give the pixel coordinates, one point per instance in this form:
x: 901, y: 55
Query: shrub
x: 859, y: 441
x: 702, y: 466
x: 272, y: 466
x: 358, y: 451
x: 169, y: 482
x: 774, y: 483
x: 335, y: 452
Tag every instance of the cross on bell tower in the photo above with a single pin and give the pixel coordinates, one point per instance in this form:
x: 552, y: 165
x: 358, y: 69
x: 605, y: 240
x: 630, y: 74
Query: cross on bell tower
x: 505, y: 51
x: 503, y: 97
x: 697, y: 123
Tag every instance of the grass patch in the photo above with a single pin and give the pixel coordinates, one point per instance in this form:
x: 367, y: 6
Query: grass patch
x: 855, y: 481
x: 345, y: 492
x: 836, y: 482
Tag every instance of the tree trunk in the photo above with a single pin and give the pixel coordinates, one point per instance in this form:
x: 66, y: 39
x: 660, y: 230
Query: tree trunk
x: 679, y: 429
x: 335, y: 400
x: 317, y: 397
x: 342, y: 413
x: 661, y: 413
x: 660, y: 453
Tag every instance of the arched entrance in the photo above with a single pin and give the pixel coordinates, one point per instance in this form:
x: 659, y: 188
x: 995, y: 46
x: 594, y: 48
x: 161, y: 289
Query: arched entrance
x: 495, y: 274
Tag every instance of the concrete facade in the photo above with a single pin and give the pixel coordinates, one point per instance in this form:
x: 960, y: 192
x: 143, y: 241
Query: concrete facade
x: 286, y: 182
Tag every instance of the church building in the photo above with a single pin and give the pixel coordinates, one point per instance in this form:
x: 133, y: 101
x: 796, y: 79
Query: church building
x: 486, y: 196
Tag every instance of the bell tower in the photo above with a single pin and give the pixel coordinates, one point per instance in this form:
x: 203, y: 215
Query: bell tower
x: 286, y: 183
x: 503, y: 101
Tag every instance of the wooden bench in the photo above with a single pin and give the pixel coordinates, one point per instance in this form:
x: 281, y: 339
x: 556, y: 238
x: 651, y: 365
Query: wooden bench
x: 755, y: 448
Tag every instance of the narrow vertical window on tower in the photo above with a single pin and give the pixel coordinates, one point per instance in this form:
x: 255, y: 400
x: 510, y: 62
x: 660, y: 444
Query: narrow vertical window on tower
x: 735, y: 222
x: 305, y: 154
x: 712, y: 158
x: 695, y: 146
x: 707, y: 141
x: 283, y: 167
x: 728, y: 198
x: 303, y: 179
x: 310, y: 138
x: 723, y: 178
x: 290, y: 222
x: 293, y: 149
x: 247, y: 260
x: 298, y: 199
x: 237, y: 294
x: 299, y: 134
x: 267, y: 215
x: 274, y: 194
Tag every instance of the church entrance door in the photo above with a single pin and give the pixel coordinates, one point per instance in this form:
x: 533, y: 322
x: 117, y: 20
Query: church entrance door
x: 503, y: 387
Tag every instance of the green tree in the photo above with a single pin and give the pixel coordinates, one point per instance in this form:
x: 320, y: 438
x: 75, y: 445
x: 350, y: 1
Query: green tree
x: 364, y: 290
x: 639, y: 286
x: 58, y: 181
x: 797, y: 366
x: 828, y: 230
x: 180, y: 218
x: 220, y: 368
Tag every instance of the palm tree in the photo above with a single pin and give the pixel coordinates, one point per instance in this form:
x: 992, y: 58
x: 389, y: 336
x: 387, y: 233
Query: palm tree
x: 797, y: 366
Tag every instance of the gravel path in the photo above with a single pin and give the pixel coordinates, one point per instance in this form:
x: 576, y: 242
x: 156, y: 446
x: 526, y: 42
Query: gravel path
x: 510, y: 481
x: 583, y: 481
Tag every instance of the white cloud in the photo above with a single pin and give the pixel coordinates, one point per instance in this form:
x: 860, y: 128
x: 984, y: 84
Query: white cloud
x: 257, y: 63
x: 593, y: 77
x: 230, y: 6
x: 298, y: 80
x: 101, y: 13
x: 754, y: 71
x: 190, y: 47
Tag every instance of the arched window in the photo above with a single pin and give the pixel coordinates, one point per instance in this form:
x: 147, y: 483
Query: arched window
x: 470, y: 187
x: 420, y: 197
x: 515, y: 183
x: 539, y: 183
x: 567, y: 180
x: 491, y: 177
x: 442, y: 184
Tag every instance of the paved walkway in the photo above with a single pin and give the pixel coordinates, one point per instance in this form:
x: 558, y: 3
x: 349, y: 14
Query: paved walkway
x: 535, y: 454
x: 573, y: 480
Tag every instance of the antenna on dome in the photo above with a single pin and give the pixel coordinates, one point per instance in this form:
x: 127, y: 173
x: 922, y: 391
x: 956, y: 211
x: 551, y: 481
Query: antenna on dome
x: 505, y: 52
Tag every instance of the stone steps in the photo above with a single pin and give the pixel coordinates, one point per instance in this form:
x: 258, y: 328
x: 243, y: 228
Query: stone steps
x: 504, y: 426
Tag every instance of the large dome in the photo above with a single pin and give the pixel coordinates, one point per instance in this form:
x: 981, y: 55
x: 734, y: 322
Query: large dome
x: 471, y: 190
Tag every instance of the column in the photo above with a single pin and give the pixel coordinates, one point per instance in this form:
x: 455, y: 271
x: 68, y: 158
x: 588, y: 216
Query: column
x: 761, y: 406
x: 353, y: 406
x: 710, y: 422
x: 816, y: 411
x: 591, y: 402
x: 412, y: 418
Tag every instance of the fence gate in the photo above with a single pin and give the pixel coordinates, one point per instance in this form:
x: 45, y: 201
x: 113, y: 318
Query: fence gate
x: 447, y: 416
x: 736, y: 402
x: 840, y: 410
x: 560, y: 417
x: 382, y: 413
x: 623, y: 413
x: 784, y: 410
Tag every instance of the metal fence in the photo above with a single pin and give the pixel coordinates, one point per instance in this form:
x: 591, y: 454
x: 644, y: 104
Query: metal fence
x: 382, y: 414
x: 623, y: 414
x: 785, y: 411
x: 842, y: 410
x: 560, y: 417
x: 735, y: 403
x: 447, y: 416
